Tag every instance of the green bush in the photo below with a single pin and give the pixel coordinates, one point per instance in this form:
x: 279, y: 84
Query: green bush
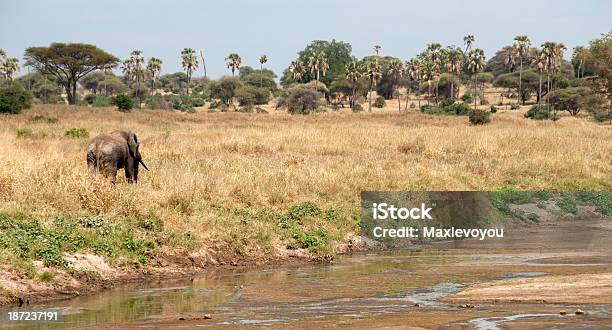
x: 460, y: 109
x: 514, y: 106
x: 154, y: 101
x: 77, y: 132
x: 479, y: 117
x: 567, y: 204
x: 300, y: 99
x: 89, y: 98
x: 197, y: 102
x: 467, y: 98
x: 24, y: 132
x: 248, y: 95
x: 602, y: 117
x: 123, y: 102
x: 540, y: 113
x: 14, y: 98
x: 101, y: 101
x: 493, y: 109
x: 379, y: 102
x: 214, y: 104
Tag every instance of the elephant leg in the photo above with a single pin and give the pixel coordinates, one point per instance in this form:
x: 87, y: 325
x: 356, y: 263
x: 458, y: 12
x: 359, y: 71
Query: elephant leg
x: 91, y: 163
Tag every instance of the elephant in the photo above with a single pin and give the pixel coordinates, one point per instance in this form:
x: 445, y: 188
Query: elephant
x: 109, y: 152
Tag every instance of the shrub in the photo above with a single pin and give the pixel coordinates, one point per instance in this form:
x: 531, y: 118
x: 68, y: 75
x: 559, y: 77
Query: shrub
x: 540, y: 113
x: 101, y: 101
x: 460, y: 109
x: 602, y: 117
x: 89, y: 98
x: 412, y: 105
x: 514, y: 106
x: 77, y: 132
x: 14, y: 98
x: 493, y: 109
x: 467, y: 98
x: 24, y: 132
x: 154, y: 101
x: 379, y: 102
x: 299, y: 99
x: 568, y: 204
x: 123, y: 102
x: 249, y: 95
x: 479, y: 117
x: 197, y: 102
x: 357, y: 108
x: 224, y: 89
x: 214, y: 104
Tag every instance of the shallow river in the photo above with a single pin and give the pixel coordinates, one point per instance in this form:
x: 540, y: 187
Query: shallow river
x: 378, y: 289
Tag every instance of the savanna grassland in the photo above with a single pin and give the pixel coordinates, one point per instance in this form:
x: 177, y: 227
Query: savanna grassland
x: 243, y: 189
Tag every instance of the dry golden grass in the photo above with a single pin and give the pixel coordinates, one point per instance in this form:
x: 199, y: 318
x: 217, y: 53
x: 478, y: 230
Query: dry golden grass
x: 206, y: 166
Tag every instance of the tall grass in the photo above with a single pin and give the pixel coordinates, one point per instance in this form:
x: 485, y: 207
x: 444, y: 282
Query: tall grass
x: 211, y: 171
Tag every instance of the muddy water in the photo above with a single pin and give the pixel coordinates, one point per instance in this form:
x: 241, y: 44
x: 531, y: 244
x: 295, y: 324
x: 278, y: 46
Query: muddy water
x: 393, y: 288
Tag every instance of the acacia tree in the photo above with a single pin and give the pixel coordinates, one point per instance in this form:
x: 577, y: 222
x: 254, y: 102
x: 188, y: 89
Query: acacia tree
x: 523, y: 47
x: 68, y: 63
x: 317, y: 63
x: 396, y: 70
x: 233, y: 62
x: 476, y: 61
x: 372, y: 71
x: 263, y: 59
x: 598, y: 60
x: 154, y: 68
x: 353, y: 74
x: 189, y: 62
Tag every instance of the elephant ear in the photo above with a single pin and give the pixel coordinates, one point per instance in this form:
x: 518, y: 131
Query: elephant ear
x: 133, y: 144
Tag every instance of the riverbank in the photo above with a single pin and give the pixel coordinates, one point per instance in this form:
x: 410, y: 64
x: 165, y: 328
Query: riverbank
x: 426, y: 288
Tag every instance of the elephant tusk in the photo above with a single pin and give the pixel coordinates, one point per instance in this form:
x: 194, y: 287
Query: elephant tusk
x: 143, y: 164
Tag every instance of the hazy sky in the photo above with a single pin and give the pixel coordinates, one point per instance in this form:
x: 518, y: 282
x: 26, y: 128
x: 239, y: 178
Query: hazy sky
x: 280, y: 28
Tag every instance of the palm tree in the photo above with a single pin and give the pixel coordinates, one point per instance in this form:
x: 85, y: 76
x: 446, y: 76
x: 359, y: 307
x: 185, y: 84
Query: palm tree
x: 137, y: 60
x: 377, y: 49
x: 373, y: 73
x: 396, y: 70
x: 2, y: 59
x: 454, y: 60
x: 189, y: 62
x: 10, y: 67
x: 154, y: 68
x: 127, y: 69
x: 548, y: 56
x: 557, y: 57
x: 353, y: 74
x: 427, y: 74
x: 233, y: 62
x: 435, y: 55
x: 318, y: 63
x: 203, y: 61
x: 540, y: 63
x: 468, y: 40
x: 523, y: 46
x: 263, y: 59
x: 297, y: 70
x: 413, y: 68
x: 579, y: 57
x: 476, y: 61
x: 106, y: 70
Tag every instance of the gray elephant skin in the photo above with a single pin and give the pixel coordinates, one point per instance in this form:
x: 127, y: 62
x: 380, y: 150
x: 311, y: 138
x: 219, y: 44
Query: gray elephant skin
x: 109, y: 152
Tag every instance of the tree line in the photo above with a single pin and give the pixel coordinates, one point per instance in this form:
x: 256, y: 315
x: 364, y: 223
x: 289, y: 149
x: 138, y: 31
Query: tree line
x: 327, y: 69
